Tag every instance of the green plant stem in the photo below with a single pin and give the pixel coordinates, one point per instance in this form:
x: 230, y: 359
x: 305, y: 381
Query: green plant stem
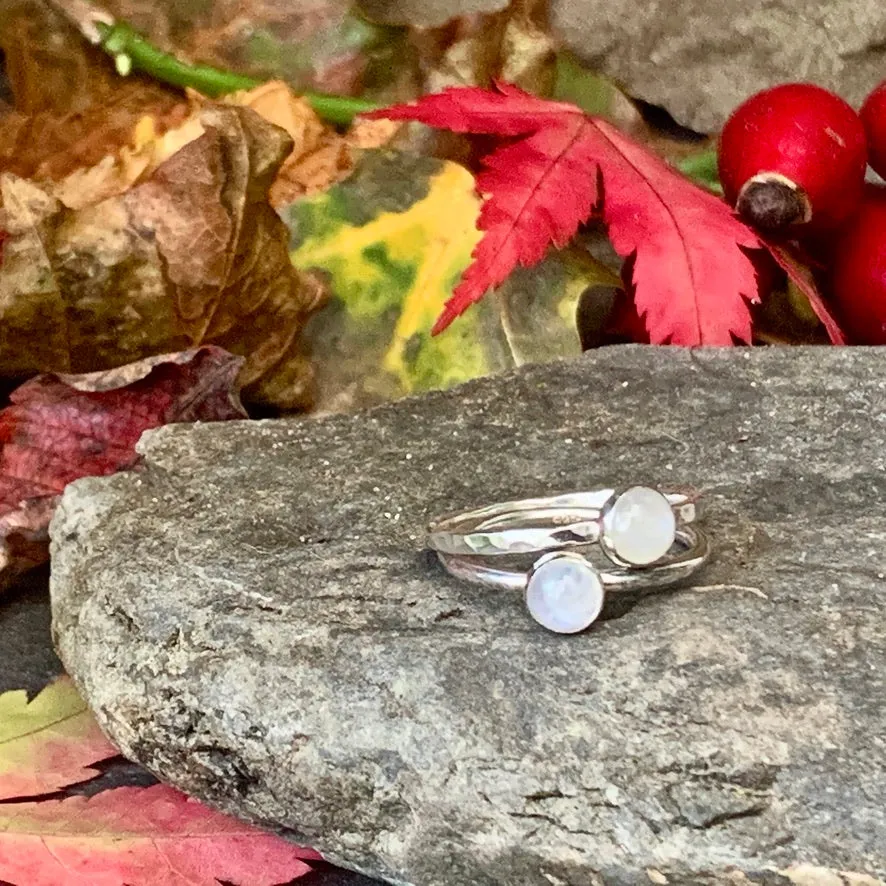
x: 132, y: 51
x: 338, y: 109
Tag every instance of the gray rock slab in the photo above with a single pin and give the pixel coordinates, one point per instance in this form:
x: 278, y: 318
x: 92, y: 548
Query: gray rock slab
x: 700, y: 59
x: 253, y: 618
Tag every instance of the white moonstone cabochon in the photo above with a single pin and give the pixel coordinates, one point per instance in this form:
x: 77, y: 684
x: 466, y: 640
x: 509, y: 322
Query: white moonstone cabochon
x: 565, y: 594
x: 640, y: 526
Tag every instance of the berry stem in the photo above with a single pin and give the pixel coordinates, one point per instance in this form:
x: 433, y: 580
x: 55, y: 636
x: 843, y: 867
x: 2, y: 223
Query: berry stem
x: 131, y: 51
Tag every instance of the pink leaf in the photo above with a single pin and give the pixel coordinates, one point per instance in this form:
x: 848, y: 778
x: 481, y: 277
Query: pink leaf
x: 152, y: 836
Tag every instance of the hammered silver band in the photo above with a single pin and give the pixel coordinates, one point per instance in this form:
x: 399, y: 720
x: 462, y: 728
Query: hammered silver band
x: 694, y: 551
x: 545, y: 548
x: 538, y: 524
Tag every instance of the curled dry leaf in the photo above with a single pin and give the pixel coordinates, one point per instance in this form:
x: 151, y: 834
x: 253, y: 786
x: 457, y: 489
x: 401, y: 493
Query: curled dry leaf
x: 58, y: 428
x: 71, y: 107
x: 50, y: 146
x: 194, y: 254
x: 225, y: 252
x: 320, y: 155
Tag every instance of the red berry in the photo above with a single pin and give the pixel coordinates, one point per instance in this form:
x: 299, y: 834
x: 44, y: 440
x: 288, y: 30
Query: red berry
x: 858, y: 270
x: 793, y: 155
x: 873, y: 115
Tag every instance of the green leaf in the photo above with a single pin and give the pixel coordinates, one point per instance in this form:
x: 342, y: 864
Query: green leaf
x: 393, y: 240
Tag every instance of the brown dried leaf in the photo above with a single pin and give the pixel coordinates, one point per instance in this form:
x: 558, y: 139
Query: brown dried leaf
x: 225, y: 250
x: 192, y: 255
x: 71, y: 108
x: 47, y: 147
x: 277, y: 103
x: 320, y: 155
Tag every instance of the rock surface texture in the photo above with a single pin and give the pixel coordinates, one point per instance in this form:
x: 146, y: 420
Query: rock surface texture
x: 699, y: 59
x: 253, y: 618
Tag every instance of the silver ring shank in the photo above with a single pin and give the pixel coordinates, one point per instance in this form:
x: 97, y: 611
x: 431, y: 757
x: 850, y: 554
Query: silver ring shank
x: 536, y: 524
x: 694, y: 542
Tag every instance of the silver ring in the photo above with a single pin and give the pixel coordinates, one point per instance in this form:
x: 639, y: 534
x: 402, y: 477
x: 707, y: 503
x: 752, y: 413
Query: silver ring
x: 647, y: 535
x: 564, y: 591
x: 634, y: 527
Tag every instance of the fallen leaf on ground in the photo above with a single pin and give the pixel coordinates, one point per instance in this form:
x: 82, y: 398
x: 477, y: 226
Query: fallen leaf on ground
x: 48, y: 743
x: 61, y: 427
x: 691, y: 276
x: 153, y: 836
x: 128, y: 836
x: 320, y: 156
x: 71, y: 107
x: 192, y: 255
x: 393, y: 240
x: 49, y: 147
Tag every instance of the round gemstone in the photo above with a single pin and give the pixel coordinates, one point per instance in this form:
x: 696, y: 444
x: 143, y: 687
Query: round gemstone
x: 564, y: 594
x: 640, y: 526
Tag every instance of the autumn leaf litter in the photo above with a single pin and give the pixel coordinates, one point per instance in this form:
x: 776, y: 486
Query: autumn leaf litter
x: 182, y: 256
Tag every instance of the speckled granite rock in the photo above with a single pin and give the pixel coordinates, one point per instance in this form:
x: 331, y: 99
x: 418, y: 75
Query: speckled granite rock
x: 254, y: 619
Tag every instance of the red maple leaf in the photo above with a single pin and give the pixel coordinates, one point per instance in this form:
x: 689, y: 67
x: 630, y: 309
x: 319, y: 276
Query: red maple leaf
x: 61, y: 427
x: 692, y: 276
x: 152, y: 836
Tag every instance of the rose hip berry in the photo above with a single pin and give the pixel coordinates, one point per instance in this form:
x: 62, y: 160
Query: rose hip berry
x: 792, y: 159
x: 858, y: 270
x: 873, y: 115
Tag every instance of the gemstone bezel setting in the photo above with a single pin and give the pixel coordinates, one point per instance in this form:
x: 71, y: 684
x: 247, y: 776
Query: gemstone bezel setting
x: 570, y: 610
x: 638, y: 527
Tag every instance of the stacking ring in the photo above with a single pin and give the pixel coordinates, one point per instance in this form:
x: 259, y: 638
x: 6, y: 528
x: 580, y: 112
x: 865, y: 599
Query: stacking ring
x: 648, y: 536
x: 634, y: 527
